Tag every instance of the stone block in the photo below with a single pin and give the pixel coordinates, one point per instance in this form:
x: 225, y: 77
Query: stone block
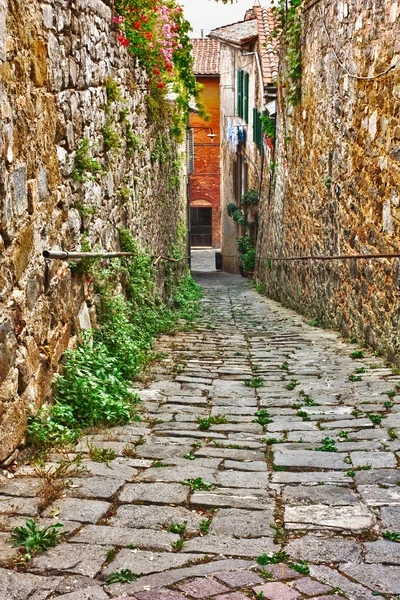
x: 8, y: 345
x: 12, y: 415
x: 145, y: 539
x: 143, y: 561
x: 239, y: 578
x: 83, y: 559
x: 39, y: 62
x: 75, y: 509
x: 3, y: 31
x: 20, y: 197
x: 276, y: 591
x: 243, y: 523
x: 314, y: 548
x: 154, y: 493
x: 201, y: 588
x: 33, y: 195
x: 22, y: 251
x: 356, y: 518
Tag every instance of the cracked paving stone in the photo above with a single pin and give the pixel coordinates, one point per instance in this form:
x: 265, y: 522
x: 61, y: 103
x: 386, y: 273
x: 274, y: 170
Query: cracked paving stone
x: 20, y: 586
x: 243, y: 523
x: 160, y: 580
x: 303, y: 477
x: 314, y: 548
x: 239, y: 578
x: 154, y: 493
x: 93, y: 487
x: 376, y: 496
x: 238, y: 479
x: 390, y: 516
x: 331, y: 495
x: 85, y: 559
x: 382, y: 578
x: 383, y: 476
x: 382, y: 551
x: 352, y: 589
x: 253, y: 465
x: 158, y: 451
x: 276, y: 591
x: 159, y: 595
x: 230, y: 546
x: 231, y: 596
x: 72, y: 509
x: 281, y: 571
x: 145, y: 539
x: 310, y: 587
x: 94, y: 592
x: 112, y: 470
x: 201, y: 588
x: 21, y: 487
x: 377, y: 460
x: 310, y: 459
x: 232, y: 454
x: 179, y: 474
x: 18, y: 506
x: 355, y: 518
x: 229, y: 498
x: 142, y: 561
x: 151, y: 517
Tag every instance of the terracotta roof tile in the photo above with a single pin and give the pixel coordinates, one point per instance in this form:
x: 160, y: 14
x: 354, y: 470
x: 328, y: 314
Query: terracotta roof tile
x: 206, y: 56
x: 268, y: 46
x: 236, y: 33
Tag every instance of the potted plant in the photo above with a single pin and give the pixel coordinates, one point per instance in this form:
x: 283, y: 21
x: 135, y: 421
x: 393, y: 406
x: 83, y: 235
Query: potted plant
x: 250, y: 201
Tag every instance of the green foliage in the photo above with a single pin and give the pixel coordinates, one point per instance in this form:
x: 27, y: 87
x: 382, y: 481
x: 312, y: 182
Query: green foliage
x: 122, y: 576
x: 263, y: 417
x: 102, y: 455
x: 231, y: 208
x: 205, y: 526
x: 177, y: 545
x: 255, y: 382
x: 132, y: 140
x: 249, y: 260
x: 301, y: 567
x: 290, y: 386
x: 288, y: 18
x: 94, y: 388
x: 250, y: 198
x: 272, y: 559
x: 198, y: 484
x: 376, y: 419
x: 178, y: 528
x: 205, y: 423
x: 86, y: 167
x: 34, y: 539
x: 238, y: 217
x: 357, y: 354
x: 390, y: 535
x: 328, y: 445
x: 316, y: 322
x: 111, y: 138
x: 353, y: 377
x: 268, y: 126
x: 113, y: 91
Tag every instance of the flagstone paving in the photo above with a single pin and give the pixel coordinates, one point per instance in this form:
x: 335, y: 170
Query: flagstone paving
x: 306, y: 463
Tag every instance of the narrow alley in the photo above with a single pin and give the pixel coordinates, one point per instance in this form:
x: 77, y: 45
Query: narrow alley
x: 266, y: 464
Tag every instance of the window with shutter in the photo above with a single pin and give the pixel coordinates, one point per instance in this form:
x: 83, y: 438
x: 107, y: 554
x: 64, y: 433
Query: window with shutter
x: 246, y: 96
x: 240, y: 93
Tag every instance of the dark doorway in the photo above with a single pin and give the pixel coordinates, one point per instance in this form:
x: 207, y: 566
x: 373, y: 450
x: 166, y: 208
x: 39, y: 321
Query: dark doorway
x: 201, y: 226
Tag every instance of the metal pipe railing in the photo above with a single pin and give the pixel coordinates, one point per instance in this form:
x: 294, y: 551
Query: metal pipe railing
x: 65, y: 255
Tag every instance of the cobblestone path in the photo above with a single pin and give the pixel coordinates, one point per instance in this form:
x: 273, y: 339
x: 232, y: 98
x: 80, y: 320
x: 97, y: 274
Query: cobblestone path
x: 263, y: 476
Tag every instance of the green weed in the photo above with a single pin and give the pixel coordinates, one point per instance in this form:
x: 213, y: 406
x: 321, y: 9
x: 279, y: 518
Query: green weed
x: 178, y: 528
x: 357, y: 354
x: 198, y: 484
x: 328, y: 445
x: 104, y: 455
x: 390, y: 535
x: 33, y: 539
x: 205, y: 526
x: 122, y: 576
x: 255, y: 382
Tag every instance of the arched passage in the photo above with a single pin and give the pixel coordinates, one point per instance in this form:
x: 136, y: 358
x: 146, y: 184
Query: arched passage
x: 201, y: 222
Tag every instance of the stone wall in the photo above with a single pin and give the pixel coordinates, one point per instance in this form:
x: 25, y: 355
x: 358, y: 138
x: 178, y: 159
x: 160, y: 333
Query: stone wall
x: 56, y: 57
x: 337, y: 186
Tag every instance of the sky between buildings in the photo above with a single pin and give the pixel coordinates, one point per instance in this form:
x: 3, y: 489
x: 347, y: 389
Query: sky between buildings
x: 209, y: 14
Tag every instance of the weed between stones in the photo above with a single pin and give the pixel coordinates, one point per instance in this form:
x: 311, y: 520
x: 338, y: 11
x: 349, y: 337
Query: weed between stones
x: 198, y: 484
x: 33, y: 539
x: 122, y: 576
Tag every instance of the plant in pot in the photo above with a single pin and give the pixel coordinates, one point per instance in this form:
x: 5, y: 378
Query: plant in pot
x: 249, y: 261
x: 244, y: 244
x: 250, y: 201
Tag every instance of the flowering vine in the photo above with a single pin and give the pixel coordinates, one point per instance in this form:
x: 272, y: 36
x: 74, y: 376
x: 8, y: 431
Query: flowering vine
x: 156, y: 32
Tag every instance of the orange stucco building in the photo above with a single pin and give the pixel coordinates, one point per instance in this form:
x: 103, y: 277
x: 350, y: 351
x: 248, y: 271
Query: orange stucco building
x: 204, y: 188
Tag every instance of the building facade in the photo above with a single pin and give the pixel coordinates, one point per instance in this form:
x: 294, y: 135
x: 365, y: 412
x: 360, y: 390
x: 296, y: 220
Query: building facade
x: 204, y: 188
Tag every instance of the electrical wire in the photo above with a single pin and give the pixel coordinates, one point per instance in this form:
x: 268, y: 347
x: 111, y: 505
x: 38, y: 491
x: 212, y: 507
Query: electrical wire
x: 342, y: 65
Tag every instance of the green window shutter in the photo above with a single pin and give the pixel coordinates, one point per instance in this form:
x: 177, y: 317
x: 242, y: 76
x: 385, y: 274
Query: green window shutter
x: 240, y: 93
x: 257, y: 129
x: 246, y: 96
x: 255, y: 116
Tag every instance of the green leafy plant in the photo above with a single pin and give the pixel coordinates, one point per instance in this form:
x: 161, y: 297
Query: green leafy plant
x: 205, y: 526
x: 205, y: 423
x: 178, y: 528
x: 238, y: 217
x: 328, y: 445
x: 113, y: 91
x: 268, y: 126
x: 132, y: 140
x: 357, y: 354
x: 355, y: 377
x: 350, y: 473
x: 376, y: 419
x: 255, y: 382
x: 317, y: 322
x: 390, y: 535
x: 301, y: 567
x: 284, y: 366
x: 250, y: 198
x: 272, y: 559
x: 304, y: 415
x: 122, y: 576
x: 111, y: 137
x: 231, y: 208
x: 263, y: 417
x: 33, y: 539
x: 177, y: 545
x: 290, y: 386
x: 86, y: 168
x: 104, y: 455
x: 392, y: 433
x: 198, y: 484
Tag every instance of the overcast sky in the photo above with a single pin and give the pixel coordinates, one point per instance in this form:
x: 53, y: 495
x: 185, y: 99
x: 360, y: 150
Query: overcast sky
x: 208, y: 14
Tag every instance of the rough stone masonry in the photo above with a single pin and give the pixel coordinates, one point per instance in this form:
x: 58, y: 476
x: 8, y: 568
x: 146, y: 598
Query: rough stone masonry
x: 340, y: 192
x: 56, y: 60
x: 219, y: 474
